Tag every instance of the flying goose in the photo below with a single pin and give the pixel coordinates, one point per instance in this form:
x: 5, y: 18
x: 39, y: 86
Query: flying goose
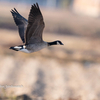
x: 31, y: 30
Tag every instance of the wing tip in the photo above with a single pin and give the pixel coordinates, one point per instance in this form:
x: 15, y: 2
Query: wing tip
x: 35, y: 5
x: 14, y: 11
x: 11, y: 10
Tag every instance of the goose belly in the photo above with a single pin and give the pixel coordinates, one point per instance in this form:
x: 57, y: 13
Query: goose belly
x: 36, y: 47
x: 25, y: 50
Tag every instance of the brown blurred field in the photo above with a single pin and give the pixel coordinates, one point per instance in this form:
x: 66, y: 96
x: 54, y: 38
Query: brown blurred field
x: 69, y: 72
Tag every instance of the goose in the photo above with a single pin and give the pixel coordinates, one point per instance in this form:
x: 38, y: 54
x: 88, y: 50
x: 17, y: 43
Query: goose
x: 30, y: 31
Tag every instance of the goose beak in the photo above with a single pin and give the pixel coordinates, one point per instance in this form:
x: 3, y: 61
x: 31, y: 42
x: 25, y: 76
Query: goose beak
x: 61, y: 43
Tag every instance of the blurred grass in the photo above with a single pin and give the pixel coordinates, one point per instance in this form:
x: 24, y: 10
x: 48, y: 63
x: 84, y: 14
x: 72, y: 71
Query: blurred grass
x: 74, y: 49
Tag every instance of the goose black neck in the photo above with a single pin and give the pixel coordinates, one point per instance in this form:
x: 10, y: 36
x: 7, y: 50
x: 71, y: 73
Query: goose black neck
x: 52, y: 43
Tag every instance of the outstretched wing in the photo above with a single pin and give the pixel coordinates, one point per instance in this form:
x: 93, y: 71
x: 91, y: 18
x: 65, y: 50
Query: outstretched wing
x: 35, y: 26
x: 21, y: 22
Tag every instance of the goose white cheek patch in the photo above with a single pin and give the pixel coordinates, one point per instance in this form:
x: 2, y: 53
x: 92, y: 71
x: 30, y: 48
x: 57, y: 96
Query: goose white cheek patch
x: 58, y: 43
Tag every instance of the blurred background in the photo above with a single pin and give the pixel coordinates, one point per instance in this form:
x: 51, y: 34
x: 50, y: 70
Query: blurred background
x: 68, y: 72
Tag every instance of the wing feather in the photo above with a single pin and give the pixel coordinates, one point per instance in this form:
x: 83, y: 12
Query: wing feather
x: 35, y: 25
x: 21, y: 22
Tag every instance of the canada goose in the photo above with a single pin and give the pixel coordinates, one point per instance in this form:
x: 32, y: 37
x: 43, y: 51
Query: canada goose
x: 31, y: 31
